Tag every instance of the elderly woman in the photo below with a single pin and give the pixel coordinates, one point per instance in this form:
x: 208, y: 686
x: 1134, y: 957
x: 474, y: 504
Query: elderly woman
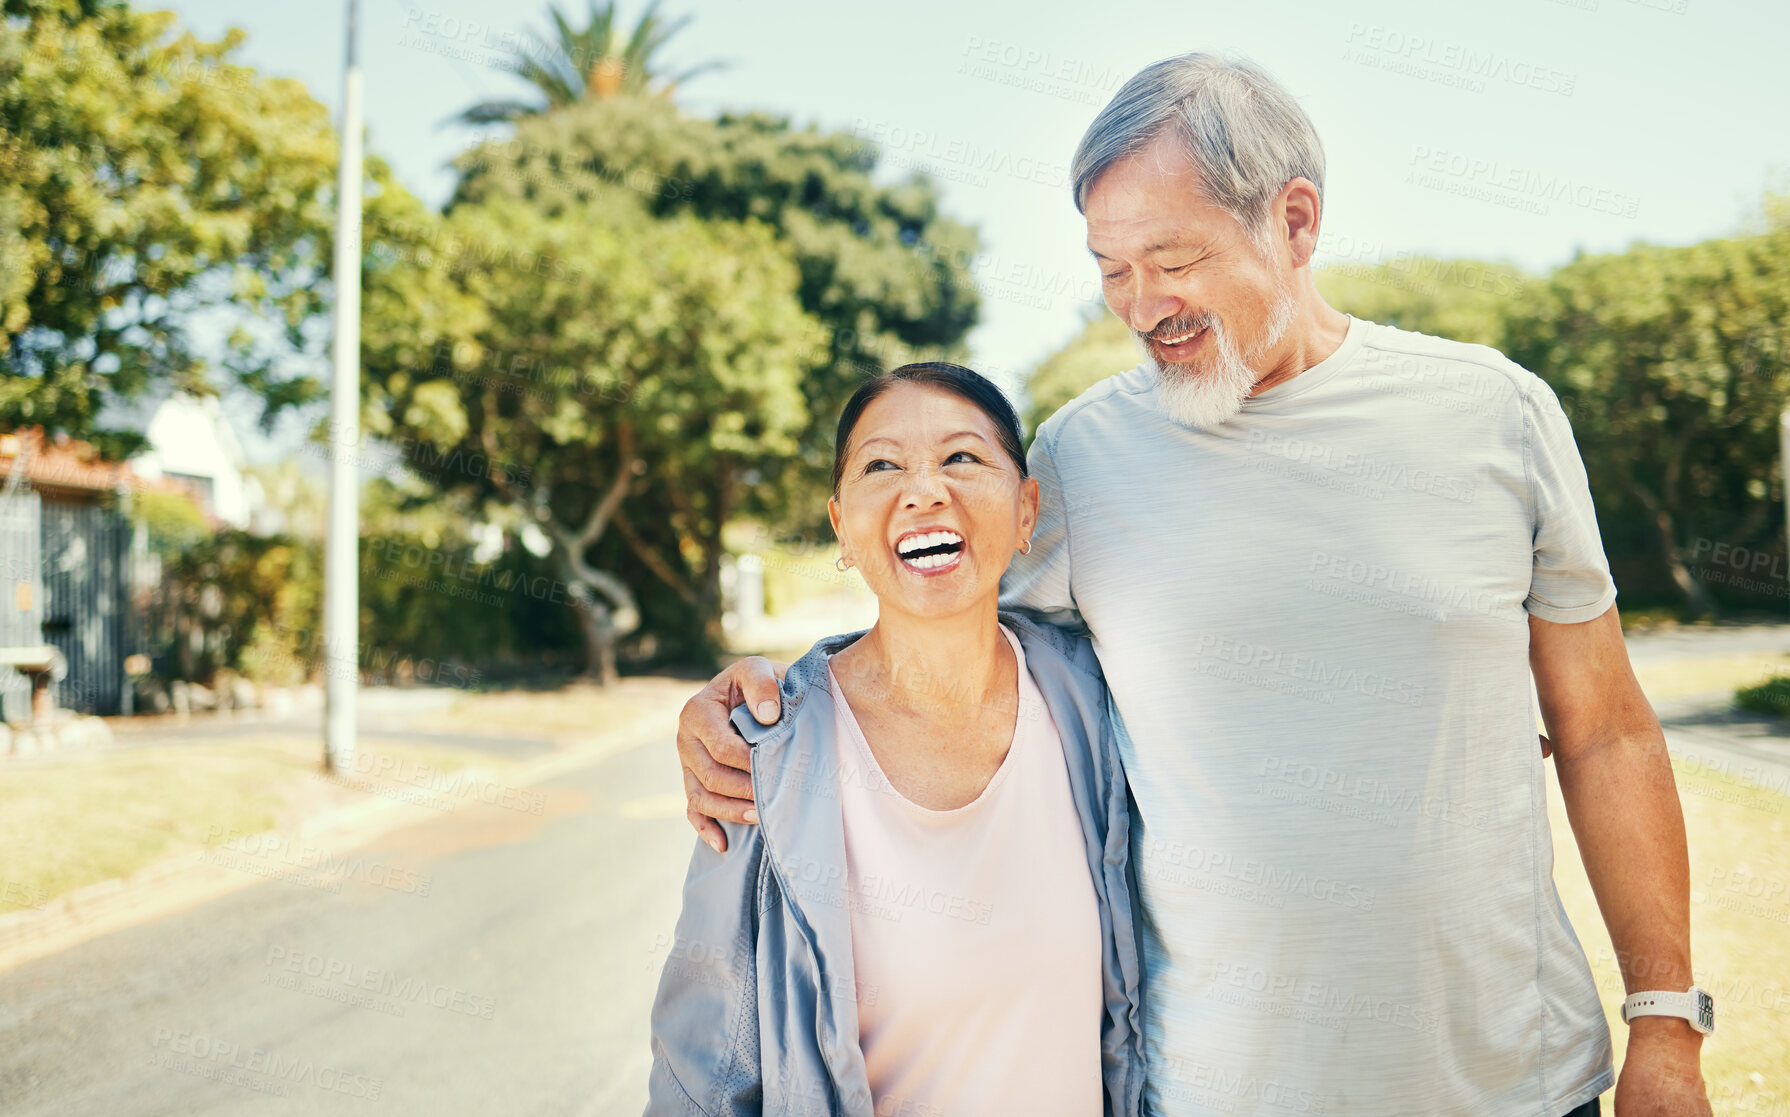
x: 934, y: 915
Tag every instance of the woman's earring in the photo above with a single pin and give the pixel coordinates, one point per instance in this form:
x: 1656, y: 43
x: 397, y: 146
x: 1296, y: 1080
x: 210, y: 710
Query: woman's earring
x: 841, y: 565
x: 1026, y: 547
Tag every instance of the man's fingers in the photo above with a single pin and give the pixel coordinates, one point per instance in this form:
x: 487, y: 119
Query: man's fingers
x: 708, y: 830
x: 1547, y: 746
x: 756, y: 678
x: 730, y: 783
x: 704, y: 802
x: 704, y: 731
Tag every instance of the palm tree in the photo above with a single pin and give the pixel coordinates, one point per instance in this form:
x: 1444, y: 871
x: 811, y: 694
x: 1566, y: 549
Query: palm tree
x: 595, y: 62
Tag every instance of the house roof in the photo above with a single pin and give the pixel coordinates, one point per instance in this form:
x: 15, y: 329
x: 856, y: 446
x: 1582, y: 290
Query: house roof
x: 61, y: 463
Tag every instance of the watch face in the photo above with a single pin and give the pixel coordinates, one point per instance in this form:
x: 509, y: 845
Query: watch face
x: 1706, y: 1011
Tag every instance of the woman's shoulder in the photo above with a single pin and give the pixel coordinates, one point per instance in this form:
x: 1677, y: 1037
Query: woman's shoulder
x: 1057, y: 647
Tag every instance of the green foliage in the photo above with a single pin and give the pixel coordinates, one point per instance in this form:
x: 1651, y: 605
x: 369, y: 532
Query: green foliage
x: 1465, y: 300
x: 1771, y: 697
x: 425, y: 597
x: 594, y: 61
x: 1671, y: 363
x: 231, y: 600
x: 879, y: 267
x: 144, y: 175
x: 591, y: 351
x: 172, y: 523
x: 1105, y: 347
x: 644, y: 325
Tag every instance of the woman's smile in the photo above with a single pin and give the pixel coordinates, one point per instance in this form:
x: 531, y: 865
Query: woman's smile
x: 930, y: 552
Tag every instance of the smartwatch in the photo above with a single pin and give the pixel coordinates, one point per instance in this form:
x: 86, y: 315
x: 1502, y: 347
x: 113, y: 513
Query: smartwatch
x: 1693, y: 1004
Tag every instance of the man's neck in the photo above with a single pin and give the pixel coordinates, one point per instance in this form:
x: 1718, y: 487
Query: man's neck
x: 1317, y: 331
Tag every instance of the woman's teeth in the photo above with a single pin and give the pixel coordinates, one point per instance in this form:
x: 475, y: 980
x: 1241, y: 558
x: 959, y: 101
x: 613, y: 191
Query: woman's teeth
x: 931, y: 549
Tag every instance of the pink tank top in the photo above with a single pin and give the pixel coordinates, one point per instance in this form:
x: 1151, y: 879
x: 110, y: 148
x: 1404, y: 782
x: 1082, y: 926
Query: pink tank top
x: 975, y: 933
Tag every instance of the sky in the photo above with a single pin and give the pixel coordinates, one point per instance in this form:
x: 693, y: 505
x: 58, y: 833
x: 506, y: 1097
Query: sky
x: 1517, y: 130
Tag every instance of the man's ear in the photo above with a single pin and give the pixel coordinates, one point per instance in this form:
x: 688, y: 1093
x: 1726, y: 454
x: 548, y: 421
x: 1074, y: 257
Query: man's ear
x: 1299, y: 209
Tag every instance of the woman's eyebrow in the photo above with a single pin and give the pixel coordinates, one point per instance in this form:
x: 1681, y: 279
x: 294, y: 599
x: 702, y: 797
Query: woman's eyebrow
x: 977, y: 435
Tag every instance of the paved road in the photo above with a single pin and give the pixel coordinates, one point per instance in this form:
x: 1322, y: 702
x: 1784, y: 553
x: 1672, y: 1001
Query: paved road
x: 488, y: 962
x: 1708, y: 729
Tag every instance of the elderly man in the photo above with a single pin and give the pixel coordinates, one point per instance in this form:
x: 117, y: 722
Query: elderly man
x: 1320, y: 560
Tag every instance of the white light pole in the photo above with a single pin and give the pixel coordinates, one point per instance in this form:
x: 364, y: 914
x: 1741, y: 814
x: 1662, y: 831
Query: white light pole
x: 341, y: 575
x: 1784, y: 466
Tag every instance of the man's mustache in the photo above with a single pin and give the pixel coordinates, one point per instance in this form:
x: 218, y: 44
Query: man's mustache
x: 1185, y: 324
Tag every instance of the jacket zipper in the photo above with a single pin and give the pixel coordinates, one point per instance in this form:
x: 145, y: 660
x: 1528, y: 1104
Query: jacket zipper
x: 813, y: 954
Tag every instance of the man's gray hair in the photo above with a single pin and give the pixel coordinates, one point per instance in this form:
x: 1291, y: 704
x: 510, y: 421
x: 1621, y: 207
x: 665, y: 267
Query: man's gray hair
x: 1244, y: 133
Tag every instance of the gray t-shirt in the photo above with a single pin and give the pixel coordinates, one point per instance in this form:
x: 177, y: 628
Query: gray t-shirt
x: 1313, y: 622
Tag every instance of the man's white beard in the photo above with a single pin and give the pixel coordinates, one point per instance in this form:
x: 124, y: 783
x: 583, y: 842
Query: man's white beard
x: 1208, y: 396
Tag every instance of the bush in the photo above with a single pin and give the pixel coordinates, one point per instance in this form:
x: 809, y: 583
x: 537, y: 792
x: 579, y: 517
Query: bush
x: 1770, y: 697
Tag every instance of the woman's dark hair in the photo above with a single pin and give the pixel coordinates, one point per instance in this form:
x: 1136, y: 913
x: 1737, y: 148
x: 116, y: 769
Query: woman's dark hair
x: 969, y: 384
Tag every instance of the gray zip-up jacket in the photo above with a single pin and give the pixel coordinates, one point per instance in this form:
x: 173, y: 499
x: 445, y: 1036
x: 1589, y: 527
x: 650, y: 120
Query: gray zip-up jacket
x: 757, y: 1010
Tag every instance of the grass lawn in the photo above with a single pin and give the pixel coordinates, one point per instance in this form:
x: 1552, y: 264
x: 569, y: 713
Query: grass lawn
x: 1740, y: 933
x: 94, y: 817
x: 1682, y: 678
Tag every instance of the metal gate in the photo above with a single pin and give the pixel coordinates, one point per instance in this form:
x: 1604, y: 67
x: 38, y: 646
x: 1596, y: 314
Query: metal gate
x: 86, y: 549
x: 21, y: 593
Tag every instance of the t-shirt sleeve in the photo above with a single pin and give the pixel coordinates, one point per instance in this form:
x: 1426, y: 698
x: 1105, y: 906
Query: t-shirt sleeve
x: 1038, y: 584
x: 1570, y: 580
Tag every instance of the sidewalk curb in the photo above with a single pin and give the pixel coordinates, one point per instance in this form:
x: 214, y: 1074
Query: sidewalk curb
x: 183, y: 880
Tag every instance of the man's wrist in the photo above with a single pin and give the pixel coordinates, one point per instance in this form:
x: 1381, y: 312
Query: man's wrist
x: 1667, y: 1030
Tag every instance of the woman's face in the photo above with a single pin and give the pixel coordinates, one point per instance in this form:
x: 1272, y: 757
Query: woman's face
x: 930, y: 508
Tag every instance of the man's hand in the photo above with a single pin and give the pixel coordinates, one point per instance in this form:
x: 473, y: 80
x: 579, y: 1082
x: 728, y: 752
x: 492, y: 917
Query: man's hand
x: 715, y: 757
x: 1660, y: 1074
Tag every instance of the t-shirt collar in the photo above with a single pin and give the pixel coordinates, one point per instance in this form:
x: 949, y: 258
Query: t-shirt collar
x: 1317, y: 374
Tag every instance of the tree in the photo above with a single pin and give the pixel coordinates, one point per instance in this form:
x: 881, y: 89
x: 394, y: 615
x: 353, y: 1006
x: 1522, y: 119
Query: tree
x: 144, y: 176
x: 881, y: 270
x: 604, y: 369
x: 1105, y: 347
x: 1463, y: 300
x: 1671, y: 363
x: 595, y: 62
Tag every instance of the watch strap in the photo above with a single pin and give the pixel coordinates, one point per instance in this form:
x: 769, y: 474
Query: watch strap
x: 1693, y: 1005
